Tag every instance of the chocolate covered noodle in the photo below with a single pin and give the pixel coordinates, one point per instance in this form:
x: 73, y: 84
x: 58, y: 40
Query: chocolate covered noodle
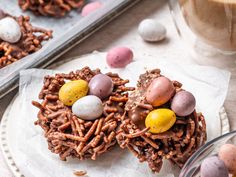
x: 70, y: 136
x: 55, y: 8
x: 177, y: 144
x: 30, y: 42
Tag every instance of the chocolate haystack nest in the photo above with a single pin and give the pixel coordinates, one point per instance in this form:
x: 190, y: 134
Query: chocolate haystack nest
x: 176, y: 144
x: 55, y: 8
x: 30, y: 42
x: 70, y: 136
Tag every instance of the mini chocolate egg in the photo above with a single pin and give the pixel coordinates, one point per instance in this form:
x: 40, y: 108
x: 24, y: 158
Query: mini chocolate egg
x: 10, y: 30
x: 160, y: 120
x: 138, y: 116
x: 213, y: 167
x: 101, y: 86
x: 227, y: 153
x: 183, y: 103
x: 160, y: 91
x: 90, y: 7
x: 151, y: 31
x: 119, y: 57
x: 88, y: 108
x: 71, y: 91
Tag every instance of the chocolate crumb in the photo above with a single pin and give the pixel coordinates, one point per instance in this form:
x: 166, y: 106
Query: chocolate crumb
x: 80, y: 173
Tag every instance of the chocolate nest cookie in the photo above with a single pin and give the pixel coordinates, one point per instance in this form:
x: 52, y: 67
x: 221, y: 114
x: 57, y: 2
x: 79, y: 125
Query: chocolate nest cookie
x: 177, y: 143
x: 55, y: 8
x: 30, y: 40
x: 81, y: 136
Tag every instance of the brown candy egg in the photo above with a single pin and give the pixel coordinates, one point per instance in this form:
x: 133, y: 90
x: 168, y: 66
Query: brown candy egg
x: 227, y: 153
x: 183, y: 103
x: 160, y: 91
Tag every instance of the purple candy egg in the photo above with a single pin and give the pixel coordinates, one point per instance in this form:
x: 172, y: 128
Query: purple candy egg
x: 101, y: 86
x: 213, y: 167
x: 183, y: 103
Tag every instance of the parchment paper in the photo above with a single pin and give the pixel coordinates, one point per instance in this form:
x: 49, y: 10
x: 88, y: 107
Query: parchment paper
x: 28, y: 145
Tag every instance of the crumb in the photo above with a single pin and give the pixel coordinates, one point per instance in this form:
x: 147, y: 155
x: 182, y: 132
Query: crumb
x: 80, y: 173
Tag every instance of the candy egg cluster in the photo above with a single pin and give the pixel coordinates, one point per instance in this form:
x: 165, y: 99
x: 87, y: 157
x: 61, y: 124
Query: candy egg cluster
x: 160, y: 93
x: 87, y: 107
x: 221, y: 165
x: 10, y: 30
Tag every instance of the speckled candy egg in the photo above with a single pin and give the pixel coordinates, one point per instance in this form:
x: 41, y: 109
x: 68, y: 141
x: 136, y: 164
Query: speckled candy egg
x: 160, y: 120
x: 90, y: 7
x: 10, y: 30
x: 88, y: 108
x: 151, y: 31
x: 227, y: 153
x: 119, y: 57
x: 160, y: 91
x: 183, y: 103
x: 71, y: 91
x: 101, y: 86
x: 213, y: 167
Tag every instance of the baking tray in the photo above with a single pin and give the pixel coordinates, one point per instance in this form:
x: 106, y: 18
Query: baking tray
x: 78, y: 31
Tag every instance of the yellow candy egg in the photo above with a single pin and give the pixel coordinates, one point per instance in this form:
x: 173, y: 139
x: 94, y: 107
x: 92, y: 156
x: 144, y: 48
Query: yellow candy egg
x: 160, y: 120
x: 72, y: 91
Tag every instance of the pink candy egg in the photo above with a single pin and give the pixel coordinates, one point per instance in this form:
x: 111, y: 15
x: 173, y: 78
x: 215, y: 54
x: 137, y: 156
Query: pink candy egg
x: 119, y: 57
x: 91, y: 7
x: 160, y: 91
x: 227, y: 153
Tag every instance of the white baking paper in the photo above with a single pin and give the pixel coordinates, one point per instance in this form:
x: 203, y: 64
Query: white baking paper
x: 28, y: 145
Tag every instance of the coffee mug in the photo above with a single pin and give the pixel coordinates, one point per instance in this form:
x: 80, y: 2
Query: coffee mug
x: 212, y: 22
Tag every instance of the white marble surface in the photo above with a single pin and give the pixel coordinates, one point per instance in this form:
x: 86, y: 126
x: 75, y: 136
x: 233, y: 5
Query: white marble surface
x: 123, y: 31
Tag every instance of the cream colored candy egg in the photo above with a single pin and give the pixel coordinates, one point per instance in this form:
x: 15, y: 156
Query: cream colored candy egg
x: 88, y: 108
x: 10, y: 30
x: 151, y: 31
